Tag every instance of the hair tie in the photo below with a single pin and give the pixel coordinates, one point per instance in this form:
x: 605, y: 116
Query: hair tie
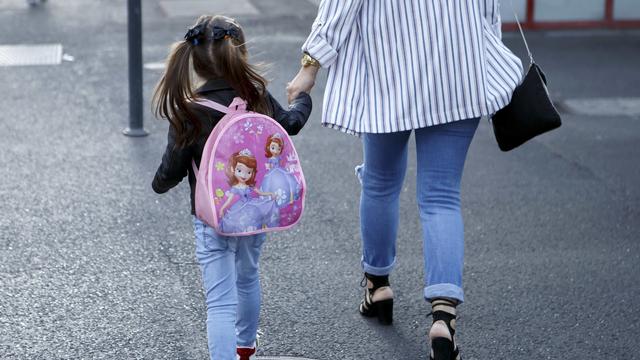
x: 194, y: 33
x: 220, y: 33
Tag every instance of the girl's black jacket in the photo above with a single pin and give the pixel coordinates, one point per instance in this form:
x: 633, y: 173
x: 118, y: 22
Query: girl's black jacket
x: 176, y: 162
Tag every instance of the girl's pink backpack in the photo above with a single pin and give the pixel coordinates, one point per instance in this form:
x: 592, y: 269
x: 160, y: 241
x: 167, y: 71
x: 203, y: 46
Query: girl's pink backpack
x: 250, y: 180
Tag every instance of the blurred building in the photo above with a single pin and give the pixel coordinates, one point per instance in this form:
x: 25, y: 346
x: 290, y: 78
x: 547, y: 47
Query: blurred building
x: 572, y: 14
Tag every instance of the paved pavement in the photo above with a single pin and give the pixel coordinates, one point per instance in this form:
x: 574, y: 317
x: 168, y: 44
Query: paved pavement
x: 93, y: 265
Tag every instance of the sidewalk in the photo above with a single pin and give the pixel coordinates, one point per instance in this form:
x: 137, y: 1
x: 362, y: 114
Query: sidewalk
x: 94, y: 265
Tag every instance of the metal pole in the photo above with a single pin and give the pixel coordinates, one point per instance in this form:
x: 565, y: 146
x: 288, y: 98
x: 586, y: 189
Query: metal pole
x: 134, y: 14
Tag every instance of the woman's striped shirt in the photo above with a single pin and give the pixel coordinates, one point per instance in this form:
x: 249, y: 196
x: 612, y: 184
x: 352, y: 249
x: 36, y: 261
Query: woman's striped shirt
x: 398, y: 65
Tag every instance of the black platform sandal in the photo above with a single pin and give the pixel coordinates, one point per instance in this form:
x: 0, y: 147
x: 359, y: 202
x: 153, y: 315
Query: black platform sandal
x: 382, y: 306
x: 443, y: 348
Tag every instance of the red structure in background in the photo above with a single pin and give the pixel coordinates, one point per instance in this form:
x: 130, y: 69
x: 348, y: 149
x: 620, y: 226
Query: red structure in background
x: 608, y: 22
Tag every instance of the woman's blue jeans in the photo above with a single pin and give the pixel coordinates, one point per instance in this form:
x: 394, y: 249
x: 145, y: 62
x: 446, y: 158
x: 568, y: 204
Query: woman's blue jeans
x: 441, y: 153
x: 232, y: 288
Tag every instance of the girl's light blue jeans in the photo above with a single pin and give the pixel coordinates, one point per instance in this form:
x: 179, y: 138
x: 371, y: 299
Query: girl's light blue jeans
x: 441, y: 152
x: 232, y: 288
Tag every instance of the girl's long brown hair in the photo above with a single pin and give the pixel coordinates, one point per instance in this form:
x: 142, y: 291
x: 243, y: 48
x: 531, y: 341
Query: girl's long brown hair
x: 225, y: 58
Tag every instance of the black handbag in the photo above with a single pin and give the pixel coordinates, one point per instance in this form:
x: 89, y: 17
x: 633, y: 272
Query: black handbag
x: 530, y: 112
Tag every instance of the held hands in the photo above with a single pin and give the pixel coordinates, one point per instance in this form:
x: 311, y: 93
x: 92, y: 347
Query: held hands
x: 303, y: 82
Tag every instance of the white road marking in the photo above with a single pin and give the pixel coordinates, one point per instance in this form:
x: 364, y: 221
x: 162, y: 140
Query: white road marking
x: 195, y: 8
x: 603, y: 106
x: 23, y: 54
x: 154, y: 66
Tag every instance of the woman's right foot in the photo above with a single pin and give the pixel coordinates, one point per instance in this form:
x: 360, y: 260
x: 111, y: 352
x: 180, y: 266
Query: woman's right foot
x: 443, y: 346
x: 378, y: 299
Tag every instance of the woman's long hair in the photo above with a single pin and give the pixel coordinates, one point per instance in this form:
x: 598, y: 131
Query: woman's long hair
x: 225, y: 57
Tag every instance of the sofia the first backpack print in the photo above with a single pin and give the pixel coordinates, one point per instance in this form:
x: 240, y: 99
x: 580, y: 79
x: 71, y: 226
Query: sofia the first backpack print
x: 250, y: 180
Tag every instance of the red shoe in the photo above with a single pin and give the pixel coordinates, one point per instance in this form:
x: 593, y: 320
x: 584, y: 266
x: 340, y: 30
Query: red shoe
x: 245, y: 353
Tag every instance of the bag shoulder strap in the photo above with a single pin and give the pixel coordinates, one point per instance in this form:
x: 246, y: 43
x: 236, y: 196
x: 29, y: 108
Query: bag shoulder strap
x: 515, y: 14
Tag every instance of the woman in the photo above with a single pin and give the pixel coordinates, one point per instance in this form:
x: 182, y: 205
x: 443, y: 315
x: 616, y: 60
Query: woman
x: 432, y: 67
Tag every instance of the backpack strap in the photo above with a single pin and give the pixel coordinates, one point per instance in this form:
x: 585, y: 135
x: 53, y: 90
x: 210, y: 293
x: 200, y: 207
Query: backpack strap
x: 195, y: 168
x: 236, y: 105
x: 213, y: 105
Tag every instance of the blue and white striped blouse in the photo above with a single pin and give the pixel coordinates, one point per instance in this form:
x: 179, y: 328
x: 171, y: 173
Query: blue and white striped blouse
x: 398, y: 65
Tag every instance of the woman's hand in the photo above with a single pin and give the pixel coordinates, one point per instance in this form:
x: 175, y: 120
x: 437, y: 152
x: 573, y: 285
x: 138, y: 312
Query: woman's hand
x: 303, y: 82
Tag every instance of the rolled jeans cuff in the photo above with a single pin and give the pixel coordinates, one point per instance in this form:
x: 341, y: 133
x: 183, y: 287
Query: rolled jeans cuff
x: 449, y: 291
x: 248, y: 345
x: 378, y: 271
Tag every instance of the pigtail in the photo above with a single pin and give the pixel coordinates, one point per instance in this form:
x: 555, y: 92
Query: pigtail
x: 173, y: 93
x: 243, y: 76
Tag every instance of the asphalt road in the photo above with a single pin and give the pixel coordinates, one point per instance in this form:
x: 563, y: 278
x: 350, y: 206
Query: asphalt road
x: 94, y: 265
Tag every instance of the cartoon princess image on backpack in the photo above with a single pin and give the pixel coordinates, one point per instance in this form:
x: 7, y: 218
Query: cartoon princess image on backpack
x: 278, y: 180
x: 248, y: 213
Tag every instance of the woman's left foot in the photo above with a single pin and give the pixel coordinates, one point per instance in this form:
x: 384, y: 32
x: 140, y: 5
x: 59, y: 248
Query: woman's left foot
x: 443, y: 329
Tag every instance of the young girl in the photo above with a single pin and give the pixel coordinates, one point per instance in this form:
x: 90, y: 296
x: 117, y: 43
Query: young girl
x: 214, y: 53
